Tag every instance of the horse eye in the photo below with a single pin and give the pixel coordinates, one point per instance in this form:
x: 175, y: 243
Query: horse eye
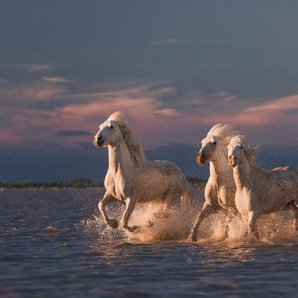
x: 111, y: 127
x: 241, y: 147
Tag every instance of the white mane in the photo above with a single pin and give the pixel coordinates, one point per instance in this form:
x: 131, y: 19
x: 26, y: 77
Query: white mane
x: 250, y: 153
x: 222, y: 132
x: 135, y: 149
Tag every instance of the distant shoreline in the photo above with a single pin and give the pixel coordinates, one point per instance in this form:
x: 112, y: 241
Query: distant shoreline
x: 74, y: 184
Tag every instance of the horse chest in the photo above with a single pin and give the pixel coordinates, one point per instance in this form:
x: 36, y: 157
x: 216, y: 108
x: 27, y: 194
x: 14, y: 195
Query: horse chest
x: 243, y: 201
x: 117, y: 187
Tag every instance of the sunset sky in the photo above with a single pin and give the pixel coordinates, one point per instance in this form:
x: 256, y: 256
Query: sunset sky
x: 175, y: 68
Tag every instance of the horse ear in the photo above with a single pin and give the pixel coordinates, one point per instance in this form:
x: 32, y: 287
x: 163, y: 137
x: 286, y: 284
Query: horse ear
x: 111, y: 124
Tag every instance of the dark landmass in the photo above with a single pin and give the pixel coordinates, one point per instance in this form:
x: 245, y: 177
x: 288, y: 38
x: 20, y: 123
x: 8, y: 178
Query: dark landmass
x: 75, y: 183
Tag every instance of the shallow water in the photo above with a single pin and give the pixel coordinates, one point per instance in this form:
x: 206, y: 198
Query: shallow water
x: 54, y: 244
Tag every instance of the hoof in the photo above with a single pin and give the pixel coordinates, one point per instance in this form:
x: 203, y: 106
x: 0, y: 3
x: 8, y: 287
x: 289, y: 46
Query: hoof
x: 113, y: 223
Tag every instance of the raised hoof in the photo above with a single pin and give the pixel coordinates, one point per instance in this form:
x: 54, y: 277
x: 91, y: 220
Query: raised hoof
x: 113, y: 223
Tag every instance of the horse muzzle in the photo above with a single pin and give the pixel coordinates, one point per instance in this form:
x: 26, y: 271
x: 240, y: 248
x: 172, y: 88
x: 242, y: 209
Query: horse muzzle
x: 201, y: 158
x: 98, y: 141
x: 232, y: 161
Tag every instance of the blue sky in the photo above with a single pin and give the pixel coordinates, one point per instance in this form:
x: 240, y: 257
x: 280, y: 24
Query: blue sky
x: 174, y: 67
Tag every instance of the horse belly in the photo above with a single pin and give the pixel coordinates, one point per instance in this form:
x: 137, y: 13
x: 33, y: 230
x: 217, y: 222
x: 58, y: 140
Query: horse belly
x: 158, y: 187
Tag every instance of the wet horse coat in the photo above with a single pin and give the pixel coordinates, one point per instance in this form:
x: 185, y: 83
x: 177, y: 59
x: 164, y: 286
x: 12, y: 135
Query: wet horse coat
x: 131, y: 179
x: 259, y: 191
x: 220, y: 189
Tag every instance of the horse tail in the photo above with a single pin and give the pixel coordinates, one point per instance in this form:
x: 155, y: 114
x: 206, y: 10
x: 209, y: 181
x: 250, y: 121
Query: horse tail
x: 189, y: 199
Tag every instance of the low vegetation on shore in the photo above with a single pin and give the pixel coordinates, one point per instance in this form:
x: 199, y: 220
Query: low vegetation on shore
x: 75, y: 183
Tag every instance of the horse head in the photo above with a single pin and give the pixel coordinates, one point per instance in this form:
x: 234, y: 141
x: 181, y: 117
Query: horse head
x: 215, y: 138
x: 109, y: 133
x: 238, y: 149
x: 235, y: 150
x: 207, y: 150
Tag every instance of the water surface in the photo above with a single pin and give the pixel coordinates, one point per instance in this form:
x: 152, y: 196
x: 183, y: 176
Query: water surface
x: 54, y: 244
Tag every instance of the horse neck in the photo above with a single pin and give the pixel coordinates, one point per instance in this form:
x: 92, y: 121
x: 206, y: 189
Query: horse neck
x: 119, y: 158
x: 219, y: 167
x: 241, y: 173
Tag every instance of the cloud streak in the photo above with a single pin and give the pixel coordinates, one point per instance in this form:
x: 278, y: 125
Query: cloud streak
x: 56, y: 80
x: 32, y: 67
x: 167, y: 42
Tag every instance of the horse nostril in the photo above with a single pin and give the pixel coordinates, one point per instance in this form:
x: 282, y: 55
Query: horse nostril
x: 200, y: 158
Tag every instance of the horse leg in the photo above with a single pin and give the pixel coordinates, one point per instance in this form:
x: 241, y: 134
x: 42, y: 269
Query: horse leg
x: 130, y: 205
x: 294, y: 207
x: 252, y: 224
x: 107, y: 199
x: 207, y: 210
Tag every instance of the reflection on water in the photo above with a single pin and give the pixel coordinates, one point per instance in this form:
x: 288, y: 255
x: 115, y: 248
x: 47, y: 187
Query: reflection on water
x: 54, y: 243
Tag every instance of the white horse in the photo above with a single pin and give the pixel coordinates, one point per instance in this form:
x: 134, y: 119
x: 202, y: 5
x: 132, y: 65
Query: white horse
x: 260, y: 191
x: 220, y: 188
x: 131, y: 179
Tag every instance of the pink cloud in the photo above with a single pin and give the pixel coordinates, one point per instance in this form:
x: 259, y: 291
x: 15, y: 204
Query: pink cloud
x: 154, y: 122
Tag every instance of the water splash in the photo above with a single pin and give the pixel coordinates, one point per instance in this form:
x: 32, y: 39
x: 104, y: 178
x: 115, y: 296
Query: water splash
x: 275, y: 228
x: 174, y: 225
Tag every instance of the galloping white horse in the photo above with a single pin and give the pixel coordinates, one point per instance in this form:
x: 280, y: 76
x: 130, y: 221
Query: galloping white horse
x: 260, y: 191
x: 131, y: 179
x: 220, y: 188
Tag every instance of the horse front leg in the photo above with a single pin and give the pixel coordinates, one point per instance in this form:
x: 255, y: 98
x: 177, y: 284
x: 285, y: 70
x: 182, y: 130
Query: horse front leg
x: 130, y: 205
x: 107, y: 199
x: 206, y: 211
x: 252, y: 224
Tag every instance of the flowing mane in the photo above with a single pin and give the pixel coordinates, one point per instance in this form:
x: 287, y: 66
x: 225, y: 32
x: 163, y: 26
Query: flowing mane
x: 250, y: 153
x: 135, y: 150
x: 222, y: 132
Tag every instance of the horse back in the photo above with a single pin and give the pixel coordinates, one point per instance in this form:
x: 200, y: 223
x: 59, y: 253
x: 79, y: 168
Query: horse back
x: 167, y: 168
x: 287, y: 172
x: 282, y: 181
